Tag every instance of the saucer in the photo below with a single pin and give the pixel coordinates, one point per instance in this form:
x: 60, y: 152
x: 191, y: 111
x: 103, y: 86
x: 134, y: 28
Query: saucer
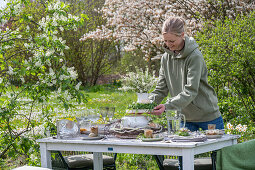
x: 92, y: 138
x: 151, y: 139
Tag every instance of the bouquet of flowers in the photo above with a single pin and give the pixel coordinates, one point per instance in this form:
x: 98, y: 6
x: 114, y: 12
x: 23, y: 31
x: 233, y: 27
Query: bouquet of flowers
x: 139, y: 81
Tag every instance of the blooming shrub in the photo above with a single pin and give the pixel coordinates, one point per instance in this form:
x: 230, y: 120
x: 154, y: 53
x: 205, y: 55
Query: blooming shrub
x: 245, y: 132
x: 139, y: 81
x: 32, y: 53
x: 138, y: 23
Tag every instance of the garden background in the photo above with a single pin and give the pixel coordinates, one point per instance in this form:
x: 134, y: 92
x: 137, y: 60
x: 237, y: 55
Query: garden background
x: 59, y: 58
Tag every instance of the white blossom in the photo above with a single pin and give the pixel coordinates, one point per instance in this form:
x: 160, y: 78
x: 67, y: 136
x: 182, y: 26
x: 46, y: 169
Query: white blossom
x: 10, y: 71
x: 38, y: 64
x: 77, y: 87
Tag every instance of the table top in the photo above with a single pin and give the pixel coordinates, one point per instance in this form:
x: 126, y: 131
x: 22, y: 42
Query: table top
x: 135, y: 142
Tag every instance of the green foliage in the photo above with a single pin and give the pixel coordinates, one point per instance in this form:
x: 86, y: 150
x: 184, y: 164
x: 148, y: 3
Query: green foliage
x: 148, y: 106
x: 32, y: 57
x: 183, y: 133
x: 132, y: 161
x: 229, y: 50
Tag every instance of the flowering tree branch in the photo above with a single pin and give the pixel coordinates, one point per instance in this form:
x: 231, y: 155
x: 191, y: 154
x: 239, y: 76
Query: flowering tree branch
x: 138, y: 23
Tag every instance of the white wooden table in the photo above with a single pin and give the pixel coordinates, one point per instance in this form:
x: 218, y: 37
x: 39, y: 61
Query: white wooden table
x: 185, y: 149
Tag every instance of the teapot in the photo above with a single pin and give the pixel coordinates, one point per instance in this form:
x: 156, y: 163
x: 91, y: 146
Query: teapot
x: 174, y: 120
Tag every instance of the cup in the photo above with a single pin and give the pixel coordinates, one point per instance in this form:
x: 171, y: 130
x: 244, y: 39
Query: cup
x: 211, y: 126
x: 84, y: 126
x: 148, y: 133
x: 94, y: 129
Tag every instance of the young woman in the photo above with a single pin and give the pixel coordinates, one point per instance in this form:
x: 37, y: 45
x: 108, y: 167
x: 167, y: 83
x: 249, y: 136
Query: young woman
x: 183, y: 74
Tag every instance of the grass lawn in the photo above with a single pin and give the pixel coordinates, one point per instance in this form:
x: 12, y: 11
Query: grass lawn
x: 96, y: 99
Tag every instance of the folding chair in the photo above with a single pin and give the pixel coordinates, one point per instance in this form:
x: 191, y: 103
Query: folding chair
x: 83, y: 161
x: 239, y: 156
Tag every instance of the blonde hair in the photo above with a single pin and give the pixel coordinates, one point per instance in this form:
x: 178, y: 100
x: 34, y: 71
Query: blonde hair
x: 174, y: 25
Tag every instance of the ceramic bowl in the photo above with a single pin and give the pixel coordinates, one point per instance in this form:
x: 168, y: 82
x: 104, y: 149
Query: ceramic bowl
x: 134, y: 121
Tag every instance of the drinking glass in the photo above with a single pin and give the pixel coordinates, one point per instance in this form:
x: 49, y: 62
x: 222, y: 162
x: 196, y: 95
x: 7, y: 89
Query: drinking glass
x: 93, y: 115
x: 67, y: 129
x: 107, y: 113
x: 84, y: 124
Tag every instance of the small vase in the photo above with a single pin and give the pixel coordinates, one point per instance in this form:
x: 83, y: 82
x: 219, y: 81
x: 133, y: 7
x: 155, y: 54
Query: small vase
x: 143, y: 98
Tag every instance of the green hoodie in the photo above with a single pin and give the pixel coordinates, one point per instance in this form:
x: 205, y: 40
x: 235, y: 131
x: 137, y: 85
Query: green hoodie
x: 184, y: 76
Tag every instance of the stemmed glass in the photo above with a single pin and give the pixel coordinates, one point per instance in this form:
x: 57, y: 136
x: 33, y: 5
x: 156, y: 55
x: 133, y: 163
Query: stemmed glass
x: 111, y: 111
x: 103, y: 113
x: 107, y: 113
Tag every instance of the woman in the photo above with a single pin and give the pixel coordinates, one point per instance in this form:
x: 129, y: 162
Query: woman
x: 183, y: 74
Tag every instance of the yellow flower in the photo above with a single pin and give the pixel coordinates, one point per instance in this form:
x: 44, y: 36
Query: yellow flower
x: 70, y: 119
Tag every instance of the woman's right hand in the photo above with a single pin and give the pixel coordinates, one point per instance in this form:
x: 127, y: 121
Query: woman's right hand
x: 159, y: 109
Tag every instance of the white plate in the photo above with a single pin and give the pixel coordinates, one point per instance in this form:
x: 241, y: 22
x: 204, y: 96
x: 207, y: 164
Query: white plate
x: 92, y: 138
x: 151, y: 139
x: 189, y: 139
x: 213, y: 136
x: 138, y: 111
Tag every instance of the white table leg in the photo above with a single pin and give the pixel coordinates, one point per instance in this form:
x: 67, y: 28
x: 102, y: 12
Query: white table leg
x: 188, y: 159
x: 98, y: 160
x: 45, y: 156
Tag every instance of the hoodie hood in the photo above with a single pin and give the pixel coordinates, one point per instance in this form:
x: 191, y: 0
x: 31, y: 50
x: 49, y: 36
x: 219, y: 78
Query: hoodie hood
x: 189, y: 46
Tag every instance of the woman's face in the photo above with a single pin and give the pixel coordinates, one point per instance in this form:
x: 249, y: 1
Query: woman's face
x: 173, y: 42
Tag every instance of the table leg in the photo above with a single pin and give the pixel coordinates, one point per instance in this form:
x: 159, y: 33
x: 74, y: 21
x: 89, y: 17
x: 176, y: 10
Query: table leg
x: 159, y: 160
x: 45, y: 156
x: 97, y: 160
x: 188, y: 160
x: 213, y: 157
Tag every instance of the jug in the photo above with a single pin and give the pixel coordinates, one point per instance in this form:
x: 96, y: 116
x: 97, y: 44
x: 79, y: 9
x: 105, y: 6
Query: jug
x: 174, y: 119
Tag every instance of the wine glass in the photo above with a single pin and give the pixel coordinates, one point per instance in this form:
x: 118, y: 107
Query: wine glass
x: 104, y: 113
x: 107, y: 113
x: 111, y: 111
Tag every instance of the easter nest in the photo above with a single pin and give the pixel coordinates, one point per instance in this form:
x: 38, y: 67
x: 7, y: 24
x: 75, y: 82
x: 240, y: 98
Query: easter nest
x: 132, y: 133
